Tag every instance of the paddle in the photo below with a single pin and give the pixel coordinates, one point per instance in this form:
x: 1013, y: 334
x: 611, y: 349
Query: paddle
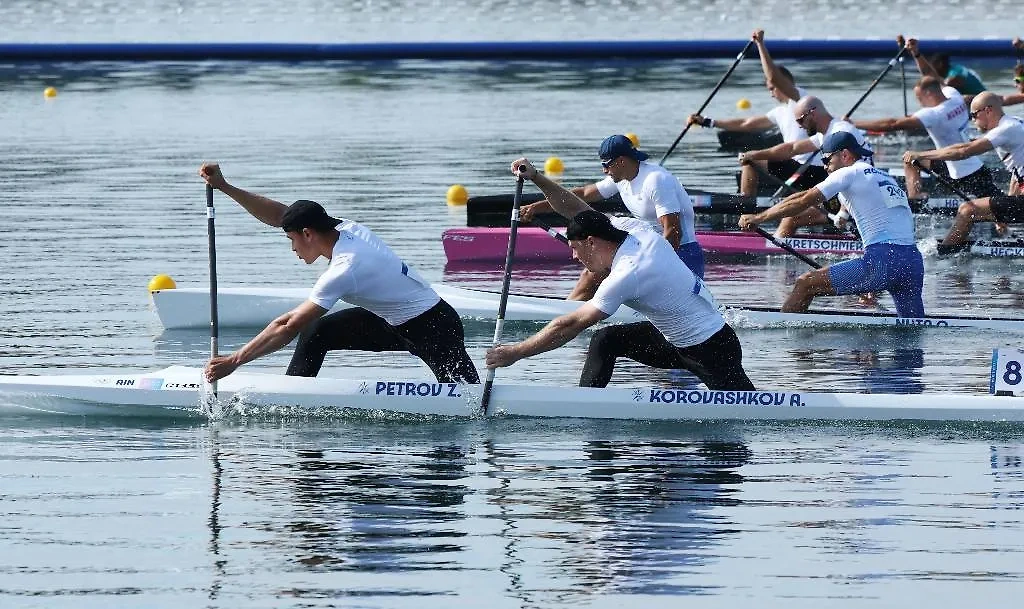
x: 547, y: 229
x: 903, y: 75
x: 786, y: 246
x: 707, y: 101
x: 499, y: 323
x: 210, y: 389
x: 800, y: 170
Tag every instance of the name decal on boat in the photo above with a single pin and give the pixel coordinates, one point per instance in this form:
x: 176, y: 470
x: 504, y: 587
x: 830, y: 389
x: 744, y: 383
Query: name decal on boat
x: 800, y: 243
x: 999, y: 251
x: 450, y: 390
x: 912, y: 321
x: 735, y: 398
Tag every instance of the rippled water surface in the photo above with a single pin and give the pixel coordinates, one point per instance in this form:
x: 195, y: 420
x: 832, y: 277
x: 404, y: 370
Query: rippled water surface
x: 100, y: 193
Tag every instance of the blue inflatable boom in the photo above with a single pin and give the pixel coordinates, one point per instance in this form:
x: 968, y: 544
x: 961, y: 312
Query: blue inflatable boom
x: 507, y: 51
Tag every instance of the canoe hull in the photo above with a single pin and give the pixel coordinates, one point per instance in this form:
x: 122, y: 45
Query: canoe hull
x: 177, y: 391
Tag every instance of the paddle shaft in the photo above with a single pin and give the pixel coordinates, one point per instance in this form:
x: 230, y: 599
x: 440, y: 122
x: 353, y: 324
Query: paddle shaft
x: 786, y: 247
x: 707, y: 101
x: 499, y: 323
x: 551, y: 231
x: 903, y: 78
x: 211, y: 239
x: 800, y: 170
x: 942, y: 180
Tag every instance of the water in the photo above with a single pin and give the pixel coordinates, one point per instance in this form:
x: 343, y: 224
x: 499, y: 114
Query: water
x: 100, y: 194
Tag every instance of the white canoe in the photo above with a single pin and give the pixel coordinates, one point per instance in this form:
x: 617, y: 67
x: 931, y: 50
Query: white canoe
x: 243, y: 307
x: 176, y: 392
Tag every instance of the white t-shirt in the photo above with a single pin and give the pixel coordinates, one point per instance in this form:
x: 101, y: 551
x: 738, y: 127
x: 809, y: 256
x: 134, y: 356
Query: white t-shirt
x: 654, y: 193
x: 783, y: 118
x: 365, y: 272
x: 648, y: 276
x: 947, y: 124
x: 878, y: 205
x: 1008, y: 139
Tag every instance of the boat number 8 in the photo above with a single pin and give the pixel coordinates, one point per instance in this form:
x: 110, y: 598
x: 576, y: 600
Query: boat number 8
x: 1012, y: 376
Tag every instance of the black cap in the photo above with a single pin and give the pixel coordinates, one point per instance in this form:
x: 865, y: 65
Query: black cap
x: 592, y: 223
x: 307, y: 214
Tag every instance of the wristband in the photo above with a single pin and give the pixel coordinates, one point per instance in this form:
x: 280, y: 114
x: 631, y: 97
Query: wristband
x: 707, y: 122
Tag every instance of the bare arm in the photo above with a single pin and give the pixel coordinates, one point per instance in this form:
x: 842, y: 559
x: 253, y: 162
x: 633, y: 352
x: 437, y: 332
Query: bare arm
x: 264, y: 209
x: 923, y: 65
x: 903, y: 123
x: 559, y: 331
x: 562, y: 201
x: 671, y: 229
x: 279, y: 333
x: 772, y: 74
x: 955, y: 152
x: 790, y: 206
x: 785, y: 150
x: 752, y: 123
x: 588, y: 193
x: 1013, y: 99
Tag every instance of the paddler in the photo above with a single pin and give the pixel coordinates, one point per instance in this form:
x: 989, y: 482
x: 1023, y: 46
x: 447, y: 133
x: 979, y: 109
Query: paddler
x: 641, y: 270
x: 891, y: 260
x: 1005, y: 135
x: 944, y: 115
x: 650, y: 193
x: 812, y: 115
x: 783, y: 88
x: 396, y: 310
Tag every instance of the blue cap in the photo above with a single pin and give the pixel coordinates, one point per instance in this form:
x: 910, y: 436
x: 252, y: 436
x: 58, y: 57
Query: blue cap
x: 843, y: 140
x: 619, y: 145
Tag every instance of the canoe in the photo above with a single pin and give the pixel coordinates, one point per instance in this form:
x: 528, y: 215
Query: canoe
x: 255, y: 307
x: 495, y: 210
x: 178, y: 391
x: 535, y: 245
x: 744, y: 141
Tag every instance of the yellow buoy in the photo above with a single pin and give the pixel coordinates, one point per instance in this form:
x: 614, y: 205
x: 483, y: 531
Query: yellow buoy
x: 161, y: 282
x: 50, y: 92
x: 457, y: 195
x: 633, y: 138
x: 554, y: 165
x: 743, y: 103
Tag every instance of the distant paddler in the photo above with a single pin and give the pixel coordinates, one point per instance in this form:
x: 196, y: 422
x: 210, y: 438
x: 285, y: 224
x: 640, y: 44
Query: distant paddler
x: 891, y: 260
x: 1005, y: 135
x: 641, y: 270
x: 782, y: 87
x: 960, y: 77
x: 944, y: 115
x: 396, y: 310
x: 812, y: 116
x: 650, y: 193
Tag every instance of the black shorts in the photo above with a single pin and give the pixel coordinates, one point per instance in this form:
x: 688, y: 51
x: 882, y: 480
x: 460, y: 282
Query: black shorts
x: 1008, y: 209
x: 812, y: 176
x: 978, y: 184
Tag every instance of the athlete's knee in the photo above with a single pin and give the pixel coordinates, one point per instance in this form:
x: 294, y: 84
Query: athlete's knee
x: 811, y: 282
x: 967, y: 209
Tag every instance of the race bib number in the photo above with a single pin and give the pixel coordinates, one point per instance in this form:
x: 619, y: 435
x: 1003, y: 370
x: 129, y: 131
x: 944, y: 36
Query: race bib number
x: 1007, y: 377
x: 894, y: 195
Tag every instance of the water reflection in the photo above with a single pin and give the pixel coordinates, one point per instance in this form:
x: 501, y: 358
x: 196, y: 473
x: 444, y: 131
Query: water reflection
x: 631, y: 517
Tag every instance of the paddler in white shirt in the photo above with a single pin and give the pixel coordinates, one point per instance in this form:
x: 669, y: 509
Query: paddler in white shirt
x: 396, y: 310
x: 782, y: 87
x: 649, y: 192
x: 811, y: 114
x: 1005, y: 135
x: 944, y: 115
x: 641, y: 270
x: 891, y: 260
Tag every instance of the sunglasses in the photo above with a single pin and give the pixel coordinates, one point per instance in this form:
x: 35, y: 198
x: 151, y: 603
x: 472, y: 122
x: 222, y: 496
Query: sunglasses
x: 608, y: 163
x: 827, y: 158
x: 1018, y: 80
x: 974, y: 115
x: 801, y: 118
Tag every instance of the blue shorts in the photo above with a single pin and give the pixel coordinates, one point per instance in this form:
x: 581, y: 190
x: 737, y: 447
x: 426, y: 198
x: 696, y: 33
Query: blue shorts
x: 899, y: 269
x: 693, y: 257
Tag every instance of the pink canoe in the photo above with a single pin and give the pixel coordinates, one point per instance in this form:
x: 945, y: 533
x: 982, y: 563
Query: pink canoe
x: 535, y: 245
